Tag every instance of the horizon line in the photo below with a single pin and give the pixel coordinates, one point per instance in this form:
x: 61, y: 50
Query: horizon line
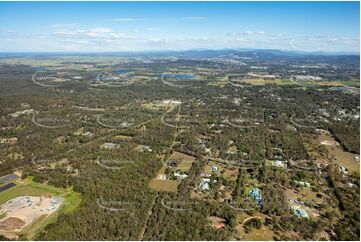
x: 320, y: 52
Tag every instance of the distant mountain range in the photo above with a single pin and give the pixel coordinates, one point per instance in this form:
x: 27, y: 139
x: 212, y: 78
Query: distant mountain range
x: 196, y: 53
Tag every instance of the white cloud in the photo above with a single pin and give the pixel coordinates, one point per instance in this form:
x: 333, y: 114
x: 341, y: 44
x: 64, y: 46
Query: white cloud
x: 83, y: 33
x: 40, y: 35
x: 243, y: 40
x: 101, y: 30
x: 324, y: 43
x: 62, y: 25
x: 117, y: 35
x: 8, y: 31
x: 108, y: 39
x: 249, y: 32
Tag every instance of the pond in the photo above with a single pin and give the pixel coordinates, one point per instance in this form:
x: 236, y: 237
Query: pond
x: 39, y: 68
x: 179, y: 75
x: 122, y: 71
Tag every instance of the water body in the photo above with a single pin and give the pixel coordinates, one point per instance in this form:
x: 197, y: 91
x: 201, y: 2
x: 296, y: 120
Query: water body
x: 39, y: 68
x: 179, y: 75
x: 122, y: 71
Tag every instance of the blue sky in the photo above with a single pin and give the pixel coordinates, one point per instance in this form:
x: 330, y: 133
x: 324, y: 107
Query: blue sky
x: 138, y: 26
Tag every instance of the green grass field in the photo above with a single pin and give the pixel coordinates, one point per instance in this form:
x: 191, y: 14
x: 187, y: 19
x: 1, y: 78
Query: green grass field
x: 28, y: 187
x: 354, y: 83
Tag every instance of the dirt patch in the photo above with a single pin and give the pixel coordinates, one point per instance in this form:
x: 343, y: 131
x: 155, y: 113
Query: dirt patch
x: 217, y: 222
x: 161, y: 177
x: 328, y: 142
x: 11, y: 223
x: 164, y: 185
x: 27, y: 209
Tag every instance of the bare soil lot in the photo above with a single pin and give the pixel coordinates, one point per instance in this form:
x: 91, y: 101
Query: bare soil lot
x: 164, y: 185
x: 22, y: 211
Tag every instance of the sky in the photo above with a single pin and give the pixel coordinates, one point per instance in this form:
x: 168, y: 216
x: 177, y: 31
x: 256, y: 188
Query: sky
x: 145, y: 26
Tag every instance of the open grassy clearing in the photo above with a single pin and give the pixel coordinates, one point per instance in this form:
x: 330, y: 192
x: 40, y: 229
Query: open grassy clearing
x: 353, y: 83
x: 262, y: 82
x: 180, y: 156
x: 185, y: 165
x: 156, y: 106
x: 161, y: 184
x: 305, y: 194
x: 336, y: 154
x: 262, y: 234
x: 186, y: 161
x: 123, y: 138
x: 164, y: 185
